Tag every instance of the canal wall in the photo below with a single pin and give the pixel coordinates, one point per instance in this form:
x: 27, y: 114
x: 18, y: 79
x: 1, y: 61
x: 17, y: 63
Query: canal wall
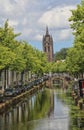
x: 14, y: 100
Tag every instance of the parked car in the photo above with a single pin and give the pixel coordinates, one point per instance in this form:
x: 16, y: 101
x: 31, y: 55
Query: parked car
x: 9, y: 92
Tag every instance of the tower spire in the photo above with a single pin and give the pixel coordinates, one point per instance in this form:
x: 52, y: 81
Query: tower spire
x: 47, y: 32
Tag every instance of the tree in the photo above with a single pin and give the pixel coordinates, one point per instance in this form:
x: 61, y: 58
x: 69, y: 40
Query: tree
x: 61, y: 55
x: 28, y: 54
x: 41, y: 62
x: 19, y: 63
x: 7, y: 36
x: 59, y: 67
x: 35, y: 59
x: 6, y: 57
x: 75, y: 58
x: 77, y: 19
x: 77, y: 24
x: 72, y: 60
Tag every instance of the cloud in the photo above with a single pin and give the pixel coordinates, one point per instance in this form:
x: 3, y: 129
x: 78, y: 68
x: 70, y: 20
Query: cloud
x: 56, y: 17
x: 27, y: 32
x: 38, y: 37
x: 6, y: 5
x: 13, y: 7
x: 65, y: 34
x: 57, y: 21
x: 13, y: 23
x: 30, y: 17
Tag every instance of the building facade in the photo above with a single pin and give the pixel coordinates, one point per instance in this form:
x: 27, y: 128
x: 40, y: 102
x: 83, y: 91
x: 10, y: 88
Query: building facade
x: 48, y: 45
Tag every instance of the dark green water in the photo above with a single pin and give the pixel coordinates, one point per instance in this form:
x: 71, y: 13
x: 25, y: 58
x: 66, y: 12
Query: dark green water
x: 41, y: 111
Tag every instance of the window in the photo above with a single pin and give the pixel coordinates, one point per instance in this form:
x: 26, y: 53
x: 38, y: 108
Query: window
x: 45, y: 49
x: 48, y: 49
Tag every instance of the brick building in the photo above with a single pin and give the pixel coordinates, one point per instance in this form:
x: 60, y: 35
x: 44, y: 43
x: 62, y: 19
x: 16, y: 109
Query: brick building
x: 48, y: 45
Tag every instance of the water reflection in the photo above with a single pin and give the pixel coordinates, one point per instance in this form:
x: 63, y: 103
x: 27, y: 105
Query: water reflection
x: 42, y: 111
x: 35, y: 107
x: 77, y: 119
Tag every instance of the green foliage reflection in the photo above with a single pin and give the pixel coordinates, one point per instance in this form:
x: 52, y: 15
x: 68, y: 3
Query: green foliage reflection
x: 41, y: 105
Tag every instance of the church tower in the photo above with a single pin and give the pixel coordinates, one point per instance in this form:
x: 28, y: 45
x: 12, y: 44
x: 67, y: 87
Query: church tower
x: 48, y: 45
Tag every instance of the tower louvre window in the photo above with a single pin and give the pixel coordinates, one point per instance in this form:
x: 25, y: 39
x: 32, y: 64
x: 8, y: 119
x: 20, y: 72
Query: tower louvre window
x: 48, y: 49
x: 45, y: 49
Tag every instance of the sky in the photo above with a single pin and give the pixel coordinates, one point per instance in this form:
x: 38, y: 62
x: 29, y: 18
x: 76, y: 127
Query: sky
x: 30, y: 18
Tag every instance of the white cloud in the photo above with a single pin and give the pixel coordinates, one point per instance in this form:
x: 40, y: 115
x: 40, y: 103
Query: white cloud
x: 38, y: 37
x: 25, y: 21
x: 65, y: 34
x: 13, y: 22
x: 57, y: 17
x: 13, y: 7
x: 30, y: 17
x: 6, y: 5
x: 27, y: 32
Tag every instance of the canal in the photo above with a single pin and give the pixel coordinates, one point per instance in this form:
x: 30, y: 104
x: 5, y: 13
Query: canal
x: 40, y: 111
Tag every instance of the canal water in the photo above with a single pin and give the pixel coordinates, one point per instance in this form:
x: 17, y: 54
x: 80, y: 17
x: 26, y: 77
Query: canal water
x: 40, y: 111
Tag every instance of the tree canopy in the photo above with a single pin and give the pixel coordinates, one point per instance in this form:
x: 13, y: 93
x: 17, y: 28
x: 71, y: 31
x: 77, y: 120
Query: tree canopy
x: 61, y: 55
x: 75, y: 57
x: 19, y: 55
